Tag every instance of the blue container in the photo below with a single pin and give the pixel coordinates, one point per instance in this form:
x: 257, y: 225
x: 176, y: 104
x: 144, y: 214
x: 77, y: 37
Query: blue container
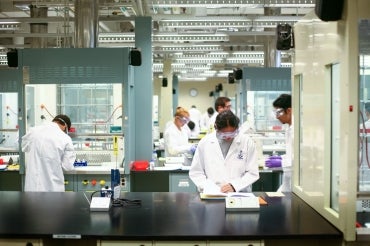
x: 115, y: 180
x: 79, y: 163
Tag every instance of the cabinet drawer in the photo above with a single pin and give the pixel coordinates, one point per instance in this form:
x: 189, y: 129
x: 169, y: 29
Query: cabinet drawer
x: 126, y: 243
x: 236, y: 243
x: 20, y: 242
x: 187, y: 243
x: 180, y: 182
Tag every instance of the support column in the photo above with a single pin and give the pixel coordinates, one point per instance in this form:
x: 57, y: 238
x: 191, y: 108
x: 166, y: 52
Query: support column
x: 143, y: 95
x: 166, y: 101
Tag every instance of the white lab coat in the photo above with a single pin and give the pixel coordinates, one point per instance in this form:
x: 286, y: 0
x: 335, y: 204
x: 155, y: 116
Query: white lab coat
x: 48, y: 151
x: 195, y: 115
x: 176, y: 142
x: 211, y: 122
x: 286, y: 185
x: 204, y: 122
x: 239, y: 168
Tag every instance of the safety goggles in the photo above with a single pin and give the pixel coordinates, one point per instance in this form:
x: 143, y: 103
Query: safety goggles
x: 183, y: 120
x: 278, y: 112
x: 227, y: 135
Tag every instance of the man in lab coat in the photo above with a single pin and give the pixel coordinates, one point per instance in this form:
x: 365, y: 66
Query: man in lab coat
x: 225, y: 158
x: 221, y: 104
x: 283, y: 112
x: 48, y: 150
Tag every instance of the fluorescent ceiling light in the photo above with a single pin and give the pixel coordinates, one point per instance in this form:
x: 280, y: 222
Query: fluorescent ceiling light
x: 233, y: 3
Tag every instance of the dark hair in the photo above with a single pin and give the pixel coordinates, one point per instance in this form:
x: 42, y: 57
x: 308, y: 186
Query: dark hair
x: 63, y: 119
x: 221, y: 102
x: 210, y: 111
x: 191, y: 125
x: 284, y: 101
x: 226, y: 118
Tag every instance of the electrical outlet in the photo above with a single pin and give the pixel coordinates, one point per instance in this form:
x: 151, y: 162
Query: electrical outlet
x: 123, y: 182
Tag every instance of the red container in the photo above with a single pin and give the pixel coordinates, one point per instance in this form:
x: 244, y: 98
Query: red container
x: 140, y: 165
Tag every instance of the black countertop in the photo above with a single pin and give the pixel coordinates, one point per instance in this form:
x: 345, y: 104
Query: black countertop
x: 161, y: 216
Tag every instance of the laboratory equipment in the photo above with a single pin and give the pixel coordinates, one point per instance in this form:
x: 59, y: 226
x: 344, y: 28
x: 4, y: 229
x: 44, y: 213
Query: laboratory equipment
x: 116, y: 183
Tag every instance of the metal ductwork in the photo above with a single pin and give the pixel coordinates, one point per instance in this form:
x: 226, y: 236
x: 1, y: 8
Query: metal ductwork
x: 38, y: 12
x: 86, y: 23
x: 272, y: 57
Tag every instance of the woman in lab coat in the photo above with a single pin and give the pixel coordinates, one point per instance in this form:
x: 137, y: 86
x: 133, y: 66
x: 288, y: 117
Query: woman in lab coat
x: 225, y: 158
x: 48, y: 150
x: 176, y: 139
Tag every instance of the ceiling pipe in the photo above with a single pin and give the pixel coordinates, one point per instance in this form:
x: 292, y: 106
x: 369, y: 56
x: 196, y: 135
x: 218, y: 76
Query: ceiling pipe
x: 272, y: 56
x: 140, y: 8
x: 86, y: 23
x: 38, y: 12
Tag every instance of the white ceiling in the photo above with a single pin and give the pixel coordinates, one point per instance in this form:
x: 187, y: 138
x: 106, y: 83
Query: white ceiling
x: 204, y: 38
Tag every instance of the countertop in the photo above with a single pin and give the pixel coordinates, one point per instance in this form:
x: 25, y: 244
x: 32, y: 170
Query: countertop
x: 94, y: 170
x: 161, y: 216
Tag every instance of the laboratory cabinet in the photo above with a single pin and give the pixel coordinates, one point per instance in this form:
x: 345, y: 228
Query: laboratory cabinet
x: 86, y: 182
x: 170, y: 243
x: 270, y: 180
x: 86, y: 179
x: 125, y: 243
x: 181, y: 243
x: 10, y: 181
x: 162, y: 181
x: 237, y: 243
x: 179, y: 181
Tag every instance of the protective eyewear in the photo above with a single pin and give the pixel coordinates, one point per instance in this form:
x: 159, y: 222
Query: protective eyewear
x: 183, y: 120
x: 278, y: 112
x: 227, y: 135
x: 65, y: 124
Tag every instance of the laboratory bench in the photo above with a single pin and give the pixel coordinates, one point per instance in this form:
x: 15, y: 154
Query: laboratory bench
x: 179, y: 181
x: 87, y: 179
x: 92, y: 178
x: 159, y: 218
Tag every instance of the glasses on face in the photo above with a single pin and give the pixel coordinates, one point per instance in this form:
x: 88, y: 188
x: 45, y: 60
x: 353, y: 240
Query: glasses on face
x: 183, y: 120
x: 228, y: 106
x: 278, y: 112
x: 227, y: 135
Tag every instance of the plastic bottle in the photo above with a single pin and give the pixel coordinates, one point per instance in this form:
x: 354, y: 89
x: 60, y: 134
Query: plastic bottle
x: 155, y: 158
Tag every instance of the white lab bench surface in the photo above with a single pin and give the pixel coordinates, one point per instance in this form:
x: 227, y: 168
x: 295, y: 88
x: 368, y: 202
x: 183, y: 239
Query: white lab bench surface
x: 94, y: 170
